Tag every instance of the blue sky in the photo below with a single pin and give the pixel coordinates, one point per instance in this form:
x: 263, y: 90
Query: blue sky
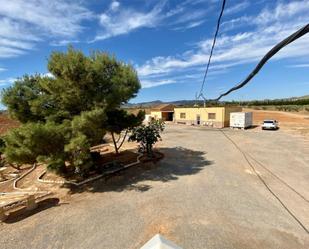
x: 167, y: 41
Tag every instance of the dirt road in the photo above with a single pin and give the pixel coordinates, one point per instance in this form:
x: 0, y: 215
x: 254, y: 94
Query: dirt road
x: 203, y: 194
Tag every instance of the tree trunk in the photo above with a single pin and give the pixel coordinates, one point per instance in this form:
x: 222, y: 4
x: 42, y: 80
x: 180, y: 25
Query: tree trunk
x: 115, y: 144
x: 118, y: 139
x: 63, y: 169
x: 149, y: 150
x: 15, y: 167
x: 125, y: 135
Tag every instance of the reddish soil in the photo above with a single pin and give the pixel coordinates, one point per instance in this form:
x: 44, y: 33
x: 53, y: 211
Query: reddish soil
x: 287, y: 121
x: 6, y: 123
x: 126, y: 157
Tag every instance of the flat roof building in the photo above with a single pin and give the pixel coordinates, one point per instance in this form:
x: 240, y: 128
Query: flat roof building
x: 218, y: 117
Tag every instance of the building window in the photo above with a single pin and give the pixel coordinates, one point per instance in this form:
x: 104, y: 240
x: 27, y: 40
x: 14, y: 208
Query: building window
x: 183, y: 115
x: 211, y: 115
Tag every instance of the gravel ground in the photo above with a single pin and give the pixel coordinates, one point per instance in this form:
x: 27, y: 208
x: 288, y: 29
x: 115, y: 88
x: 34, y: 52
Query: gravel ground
x: 204, y: 194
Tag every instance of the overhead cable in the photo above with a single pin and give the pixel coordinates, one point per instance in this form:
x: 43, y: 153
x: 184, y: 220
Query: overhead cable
x: 212, y: 49
x: 301, y: 32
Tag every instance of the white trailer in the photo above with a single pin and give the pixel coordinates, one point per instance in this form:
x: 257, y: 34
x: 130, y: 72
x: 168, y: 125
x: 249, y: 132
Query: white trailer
x: 240, y: 119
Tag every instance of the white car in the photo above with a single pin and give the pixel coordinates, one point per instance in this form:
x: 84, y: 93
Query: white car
x: 270, y: 124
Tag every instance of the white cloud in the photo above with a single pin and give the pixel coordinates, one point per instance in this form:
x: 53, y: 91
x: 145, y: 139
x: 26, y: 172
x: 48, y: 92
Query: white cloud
x: 237, y: 7
x: 152, y: 83
x: 283, y: 11
x: 190, y: 25
x: 126, y: 20
x: 299, y: 65
x: 114, y: 6
x: 24, y: 23
x: 7, y: 82
x: 119, y: 20
x: 236, y: 23
x: 12, y: 29
x: 7, y: 52
x: 191, y: 16
x: 25, y: 45
x: 53, y: 17
x: 60, y: 43
x: 239, y: 47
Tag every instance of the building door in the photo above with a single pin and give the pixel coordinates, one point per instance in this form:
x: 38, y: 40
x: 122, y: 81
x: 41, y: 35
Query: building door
x: 170, y: 116
x: 198, y: 119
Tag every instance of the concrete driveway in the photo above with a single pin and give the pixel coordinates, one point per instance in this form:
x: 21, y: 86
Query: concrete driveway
x: 204, y: 194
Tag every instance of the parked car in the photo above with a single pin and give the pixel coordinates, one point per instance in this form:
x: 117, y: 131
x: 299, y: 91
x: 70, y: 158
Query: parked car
x: 270, y: 124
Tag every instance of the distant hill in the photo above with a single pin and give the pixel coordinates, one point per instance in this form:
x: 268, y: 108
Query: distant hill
x: 158, y: 102
x: 302, y: 97
x: 144, y: 104
x: 302, y: 100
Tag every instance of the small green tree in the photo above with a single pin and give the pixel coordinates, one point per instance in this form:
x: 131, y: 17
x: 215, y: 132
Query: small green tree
x: 37, y: 142
x: 119, y: 120
x: 3, y: 161
x: 147, y: 135
x: 78, y: 83
x: 64, y: 114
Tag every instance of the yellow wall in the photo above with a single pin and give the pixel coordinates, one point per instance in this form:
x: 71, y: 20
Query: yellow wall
x: 156, y: 115
x: 222, y: 114
x: 203, y: 112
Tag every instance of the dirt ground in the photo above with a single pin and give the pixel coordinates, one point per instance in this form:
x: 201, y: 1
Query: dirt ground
x: 213, y: 189
x: 30, y: 183
x: 290, y: 122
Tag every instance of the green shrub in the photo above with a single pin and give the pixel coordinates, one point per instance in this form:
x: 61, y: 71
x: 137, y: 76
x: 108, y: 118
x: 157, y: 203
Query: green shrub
x: 147, y: 135
x: 54, y: 163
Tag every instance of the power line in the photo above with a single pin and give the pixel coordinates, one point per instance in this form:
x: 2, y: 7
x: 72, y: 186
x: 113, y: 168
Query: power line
x: 280, y: 179
x: 304, y: 30
x: 265, y: 184
x: 211, y: 51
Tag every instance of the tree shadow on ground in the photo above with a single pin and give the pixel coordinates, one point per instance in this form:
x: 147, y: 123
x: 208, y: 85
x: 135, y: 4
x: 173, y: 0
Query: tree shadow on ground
x: 22, y: 213
x: 177, y: 162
